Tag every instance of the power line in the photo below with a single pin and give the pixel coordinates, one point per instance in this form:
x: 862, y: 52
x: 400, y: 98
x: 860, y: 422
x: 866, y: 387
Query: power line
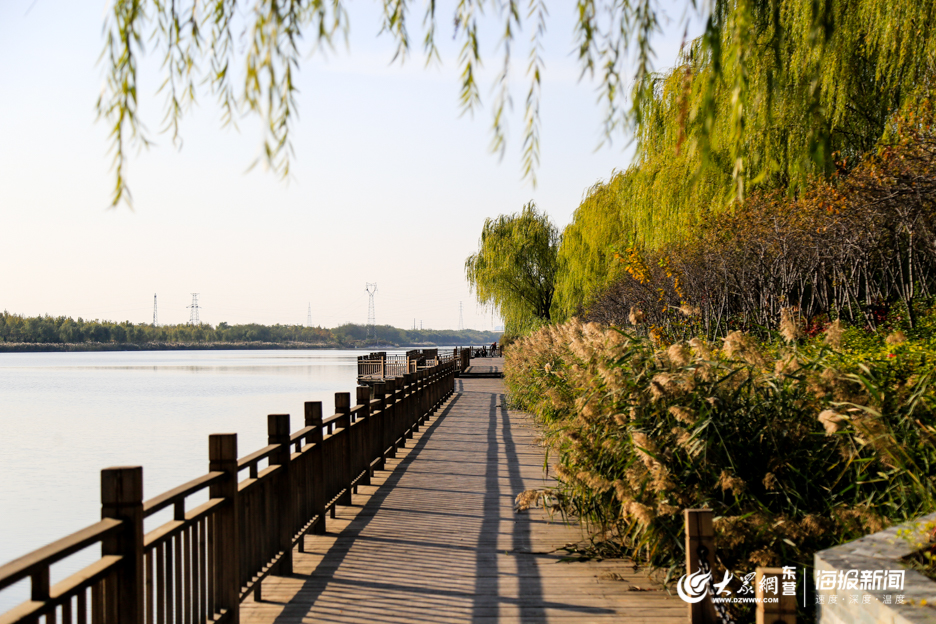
x: 371, y: 315
x: 461, y: 317
x: 193, y: 314
x: 155, y: 321
x: 309, y: 316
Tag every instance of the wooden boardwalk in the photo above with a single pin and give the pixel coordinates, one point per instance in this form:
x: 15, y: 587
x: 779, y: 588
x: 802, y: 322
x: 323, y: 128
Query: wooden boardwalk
x: 484, y: 367
x: 435, y: 539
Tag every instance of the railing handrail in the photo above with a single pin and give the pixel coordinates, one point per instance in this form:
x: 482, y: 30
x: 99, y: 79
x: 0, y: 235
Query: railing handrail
x: 24, y: 566
x: 257, y: 456
x: 181, y: 492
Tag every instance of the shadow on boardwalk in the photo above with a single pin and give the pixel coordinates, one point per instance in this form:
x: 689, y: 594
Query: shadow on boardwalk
x: 435, y: 539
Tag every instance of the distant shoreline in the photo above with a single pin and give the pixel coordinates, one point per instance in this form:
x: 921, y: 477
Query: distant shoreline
x: 59, y: 347
x: 39, y: 347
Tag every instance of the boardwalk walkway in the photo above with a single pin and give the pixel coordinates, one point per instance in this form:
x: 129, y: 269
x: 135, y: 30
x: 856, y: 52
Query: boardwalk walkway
x: 435, y: 539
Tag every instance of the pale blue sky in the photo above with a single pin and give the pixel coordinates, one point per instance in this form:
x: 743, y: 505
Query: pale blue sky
x: 389, y: 184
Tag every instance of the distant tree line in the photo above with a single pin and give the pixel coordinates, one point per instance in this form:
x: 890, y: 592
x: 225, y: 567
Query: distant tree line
x: 385, y: 334
x: 15, y: 328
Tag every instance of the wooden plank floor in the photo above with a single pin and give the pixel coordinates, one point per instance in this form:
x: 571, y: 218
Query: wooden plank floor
x: 435, y: 539
x: 485, y: 366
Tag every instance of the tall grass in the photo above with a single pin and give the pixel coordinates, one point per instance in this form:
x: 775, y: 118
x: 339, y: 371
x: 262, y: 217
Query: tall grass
x: 795, y: 448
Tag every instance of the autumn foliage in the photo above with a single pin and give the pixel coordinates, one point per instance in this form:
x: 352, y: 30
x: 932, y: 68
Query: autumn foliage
x: 851, y: 246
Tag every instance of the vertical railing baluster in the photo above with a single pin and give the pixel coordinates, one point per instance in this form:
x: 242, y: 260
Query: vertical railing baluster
x: 150, y: 597
x: 177, y: 574
x: 187, y: 603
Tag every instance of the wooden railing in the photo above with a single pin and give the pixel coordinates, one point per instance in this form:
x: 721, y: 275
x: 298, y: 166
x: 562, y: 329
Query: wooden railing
x: 199, y: 566
x: 379, y: 365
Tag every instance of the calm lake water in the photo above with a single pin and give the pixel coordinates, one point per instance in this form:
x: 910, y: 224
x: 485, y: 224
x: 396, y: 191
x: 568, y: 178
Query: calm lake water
x: 65, y: 416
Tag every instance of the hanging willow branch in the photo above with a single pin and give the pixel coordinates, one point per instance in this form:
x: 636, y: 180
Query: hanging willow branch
x: 790, y: 73
x: 196, y: 39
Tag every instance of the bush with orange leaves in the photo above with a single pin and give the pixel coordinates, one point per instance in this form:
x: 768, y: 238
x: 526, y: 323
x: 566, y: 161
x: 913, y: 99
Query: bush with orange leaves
x: 792, y: 450
x: 850, y: 247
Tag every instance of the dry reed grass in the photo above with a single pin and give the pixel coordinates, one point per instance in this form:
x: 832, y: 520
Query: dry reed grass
x: 792, y: 453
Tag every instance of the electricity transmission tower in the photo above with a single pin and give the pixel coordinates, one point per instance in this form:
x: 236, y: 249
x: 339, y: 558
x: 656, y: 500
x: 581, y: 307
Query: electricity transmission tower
x: 193, y: 314
x: 371, y: 316
x: 155, y: 321
x: 461, y: 317
x: 309, y: 316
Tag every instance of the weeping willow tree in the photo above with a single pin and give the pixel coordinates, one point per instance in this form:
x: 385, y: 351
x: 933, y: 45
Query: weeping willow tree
x: 773, y: 94
x: 588, y: 245
x: 514, y: 269
x: 805, y: 62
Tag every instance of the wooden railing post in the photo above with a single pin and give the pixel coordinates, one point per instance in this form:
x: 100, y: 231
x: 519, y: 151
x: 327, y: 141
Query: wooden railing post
x: 366, y: 437
x: 313, y: 418
x: 427, y: 384
x: 413, y: 417
x: 390, y: 417
x: 425, y: 389
x: 399, y: 413
x: 345, y: 464
x: 440, y: 385
x: 380, y: 433
x: 122, y: 499
x: 423, y: 394
x: 447, y: 381
x: 700, y: 540
x: 783, y: 611
x: 283, y: 495
x: 225, y: 540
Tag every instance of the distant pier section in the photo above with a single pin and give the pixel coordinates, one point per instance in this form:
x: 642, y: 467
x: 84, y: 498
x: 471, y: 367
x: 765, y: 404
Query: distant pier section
x: 379, y: 366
